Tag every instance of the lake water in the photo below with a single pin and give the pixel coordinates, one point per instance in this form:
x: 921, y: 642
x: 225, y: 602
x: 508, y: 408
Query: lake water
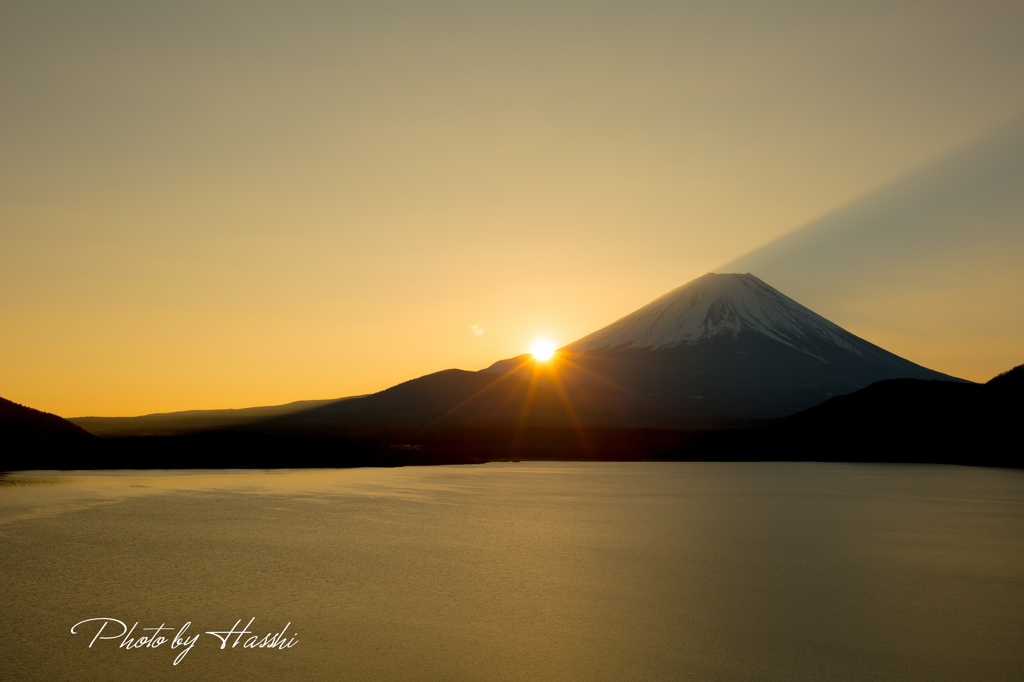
x: 520, y: 571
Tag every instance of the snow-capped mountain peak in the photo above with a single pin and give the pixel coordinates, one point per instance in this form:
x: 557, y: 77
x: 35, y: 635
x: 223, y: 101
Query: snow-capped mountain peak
x: 717, y: 305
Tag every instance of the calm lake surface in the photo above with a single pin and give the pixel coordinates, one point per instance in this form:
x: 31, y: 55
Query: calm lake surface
x: 520, y: 571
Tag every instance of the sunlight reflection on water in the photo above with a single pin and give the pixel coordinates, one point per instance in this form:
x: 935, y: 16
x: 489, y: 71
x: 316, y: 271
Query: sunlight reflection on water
x: 574, y: 571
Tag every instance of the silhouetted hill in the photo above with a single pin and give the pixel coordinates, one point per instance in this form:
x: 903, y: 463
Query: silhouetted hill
x: 451, y: 397
x: 912, y: 420
x: 18, y: 420
x: 1010, y: 380
x: 33, y: 439
x: 456, y: 416
x: 189, y: 421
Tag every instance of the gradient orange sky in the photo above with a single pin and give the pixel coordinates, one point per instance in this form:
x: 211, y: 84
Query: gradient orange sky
x: 226, y: 204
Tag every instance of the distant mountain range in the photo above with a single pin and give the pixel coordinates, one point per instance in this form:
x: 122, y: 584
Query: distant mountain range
x: 190, y: 421
x: 724, y: 367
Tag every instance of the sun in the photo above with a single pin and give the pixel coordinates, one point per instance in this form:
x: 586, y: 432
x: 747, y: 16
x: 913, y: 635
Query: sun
x: 542, y: 349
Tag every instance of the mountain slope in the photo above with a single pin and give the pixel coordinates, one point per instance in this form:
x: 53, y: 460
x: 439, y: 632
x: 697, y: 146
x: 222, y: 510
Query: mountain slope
x: 719, y: 306
x: 912, y: 420
x: 18, y: 421
x: 723, y: 350
x: 947, y: 236
x: 726, y: 349
x: 189, y: 421
x: 39, y: 440
x: 448, y: 398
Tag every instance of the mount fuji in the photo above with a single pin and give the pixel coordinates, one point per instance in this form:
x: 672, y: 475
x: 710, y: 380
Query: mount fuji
x: 722, y: 306
x: 725, y: 350
x: 722, y: 350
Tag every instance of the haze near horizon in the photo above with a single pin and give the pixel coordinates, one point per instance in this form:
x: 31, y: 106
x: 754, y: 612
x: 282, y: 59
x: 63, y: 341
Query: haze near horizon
x: 221, y: 205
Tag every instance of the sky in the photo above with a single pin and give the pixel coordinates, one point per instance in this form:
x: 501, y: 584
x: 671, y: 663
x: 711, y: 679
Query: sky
x: 928, y: 266
x: 228, y: 203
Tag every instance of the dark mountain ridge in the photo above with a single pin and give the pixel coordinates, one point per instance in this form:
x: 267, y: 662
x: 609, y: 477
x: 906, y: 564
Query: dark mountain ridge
x: 913, y: 420
x: 721, y: 351
x: 18, y: 421
x: 31, y: 439
x: 188, y: 421
x: 899, y: 420
x: 704, y: 372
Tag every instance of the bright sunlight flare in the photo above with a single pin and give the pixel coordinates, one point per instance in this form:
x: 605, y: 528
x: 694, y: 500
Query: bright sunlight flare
x: 542, y: 349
